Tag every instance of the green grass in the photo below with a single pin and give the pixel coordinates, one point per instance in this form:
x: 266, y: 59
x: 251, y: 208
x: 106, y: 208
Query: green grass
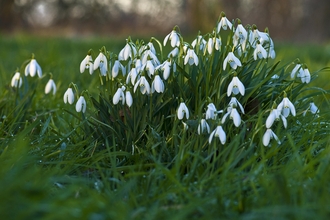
x: 56, y: 164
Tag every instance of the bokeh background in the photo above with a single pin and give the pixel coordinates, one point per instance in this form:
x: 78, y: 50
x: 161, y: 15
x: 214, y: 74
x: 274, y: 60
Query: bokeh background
x: 287, y: 20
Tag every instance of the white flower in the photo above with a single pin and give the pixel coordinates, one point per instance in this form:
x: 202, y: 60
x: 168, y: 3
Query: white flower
x: 68, y: 96
x: 129, y: 99
x: 144, y: 85
x: 218, y: 132
x: 173, y: 52
x: 119, y: 96
x: 269, y: 134
x: 191, y: 57
x: 312, y: 108
x: 132, y: 76
x: 174, y: 37
x: 116, y: 67
x: 259, y: 52
x: 235, y: 87
x: 286, y: 107
x: 233, y: 115
x: 157, y: 85
x: 232, y: 60
x: 275, y: 114
x: 183, y: 110
x: 256, y: 35
x: 234, y: 102
x: 102, y: 63
x: 185, y: 126
x: 16, y: 81
x: 50, y: 86
x: 81, y: 104
x: 213, y: 43
x: 87, y: 63
x: 211, y: 111
x: 128, y: 51
x: 240, y: 35
x: 203, y: 125
x: 224, y: 23
x: 304, y: 75
x: 199, y: 41
x: 32, y: 68
x: 149, y: 67
x: 166, y: 67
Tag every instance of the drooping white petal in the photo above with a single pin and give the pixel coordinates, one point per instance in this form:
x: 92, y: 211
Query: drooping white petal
x: 118, y: 96
x: 183, y: 111
x: 68, y: 96
x: 16, y: 81
x: 235, y: 117
x: 129, y: 99
x: 266, y: 137
x: 81, y: 104
x: 50, y: 86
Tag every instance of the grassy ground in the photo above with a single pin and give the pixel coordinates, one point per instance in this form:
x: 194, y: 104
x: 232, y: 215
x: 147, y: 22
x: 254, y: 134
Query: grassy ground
x: 50, y: 169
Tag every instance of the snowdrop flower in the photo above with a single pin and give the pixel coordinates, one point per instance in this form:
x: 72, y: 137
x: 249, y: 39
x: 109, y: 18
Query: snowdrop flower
x: 191, y: 57
x: 185, y: 126
x: 235, y: 87
x: 301, y: 72
x: 275, y: 114
x: 272, y: 53
x: 174, y: 38
x: 149, y: 67
x: 269, y: 134
x: 50, y: 86
x: 213, y: 43
x: 129, y: 99
x: 234, y: 102
x: 102, y: 63
x: 182, y: 111
x: 259, y: 52
x: 199, y: 41
x: 68, y: 96
x: 173, y: 52
x: 16, y: 81
x: 305, y: 75
x: 129, y: 51
x: 117, y: 66
x: 211, y: 111
x: 233, y: 115
x: 119, y: 96
x: 87, y: 63
x: 286, y: 107
x: 218, y: 132
x: 143, y: 84
x: 240, y: 34
x: 224, y: 23
x: 203, y: 125
x: 232, y: 60
x: 255, y: 35
x: 32, y: 68
x: 166, y: 68
x: 132, y: 75
x: 157, y: 85
x: 81, y: 104
x: 312, y: 108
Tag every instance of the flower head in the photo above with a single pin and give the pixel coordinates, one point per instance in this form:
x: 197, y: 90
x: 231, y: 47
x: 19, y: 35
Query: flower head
x: 224, y: 23
x: 233, y: 61
x: 211, y: 111
x: 203, y: 125
x: 259, y: 52
x: 32, y: 68
x: 286, y: 107
x: 182, y: 111
x: 191, y: 57
x: 50, y: 86
x: 16, y: 81
x: 157, y: 85
x: 68, y: 96
x: 81, y: 104
x: 119, y: 96
x: 144, y: 85
x: 128, y: 51
x: 235, y: 87
x: 220, y: 133
x: 129, y: 99
x: 117, y: 66
x: 87, y: 63
x: 269, y: 134
x: 102, y: 63
x: 174, y: 37
x: 275, y: 114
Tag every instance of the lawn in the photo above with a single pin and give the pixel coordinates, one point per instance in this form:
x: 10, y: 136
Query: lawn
x: 115, y: 162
